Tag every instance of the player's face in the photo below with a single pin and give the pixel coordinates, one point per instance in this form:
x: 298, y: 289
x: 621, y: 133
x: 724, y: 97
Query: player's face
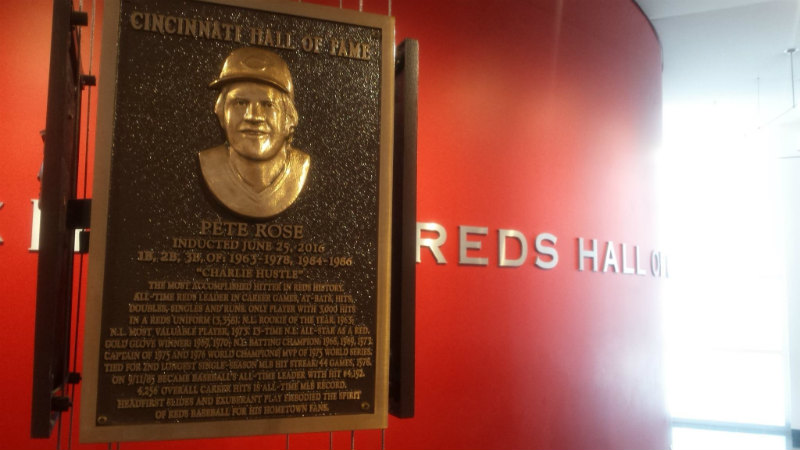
x: 255, y: 122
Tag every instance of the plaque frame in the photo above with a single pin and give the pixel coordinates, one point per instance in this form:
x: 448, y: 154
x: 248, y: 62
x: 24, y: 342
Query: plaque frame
x: 90, y: 431
x: 404, y: 232
x: 54, y: 303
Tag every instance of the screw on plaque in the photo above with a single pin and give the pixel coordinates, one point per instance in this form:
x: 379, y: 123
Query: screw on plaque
x: 365, y: 406
x: 102, y: 420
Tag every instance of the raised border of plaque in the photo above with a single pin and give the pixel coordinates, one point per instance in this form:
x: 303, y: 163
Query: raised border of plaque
x: 208, y: 316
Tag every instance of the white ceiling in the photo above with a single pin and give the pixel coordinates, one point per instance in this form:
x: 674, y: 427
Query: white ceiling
x: 731, y: 51
x: 659, y: 9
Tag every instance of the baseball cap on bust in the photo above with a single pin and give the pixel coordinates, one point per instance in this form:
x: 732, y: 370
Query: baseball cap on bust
x: 256, y: 64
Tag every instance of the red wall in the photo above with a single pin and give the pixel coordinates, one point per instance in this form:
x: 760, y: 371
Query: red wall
x: 535, y: 115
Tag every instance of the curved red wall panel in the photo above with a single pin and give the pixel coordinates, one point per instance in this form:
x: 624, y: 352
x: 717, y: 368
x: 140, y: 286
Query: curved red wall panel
x: 537, y: 116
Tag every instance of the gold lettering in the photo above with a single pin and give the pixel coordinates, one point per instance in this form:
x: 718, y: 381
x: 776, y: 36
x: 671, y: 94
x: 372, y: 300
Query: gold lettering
x: 205, y: 29
x: 157, y: 23
x: 349, y: 48
x: 216, y: 32
x: 278, y: 231
x: 223, y: 228
x: 171, y: 25
x: 256, y: 36
x: 259, y: 338
x: 128, y: 403
x: 210, y: 412
x: 136, y: 20
x: 190, y: 27
x: 334, y: 44
x: 355, y: 49
x: 228, y: 31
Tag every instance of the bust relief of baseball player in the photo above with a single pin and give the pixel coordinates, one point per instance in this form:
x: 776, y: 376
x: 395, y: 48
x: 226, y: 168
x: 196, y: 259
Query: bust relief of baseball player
x: 256, y: 173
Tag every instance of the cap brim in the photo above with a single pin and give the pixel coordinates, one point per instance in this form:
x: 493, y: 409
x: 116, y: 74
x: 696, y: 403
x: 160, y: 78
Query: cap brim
x: 220, y: 81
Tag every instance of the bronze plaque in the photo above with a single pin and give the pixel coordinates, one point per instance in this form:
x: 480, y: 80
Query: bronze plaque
x: 239, y: 261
